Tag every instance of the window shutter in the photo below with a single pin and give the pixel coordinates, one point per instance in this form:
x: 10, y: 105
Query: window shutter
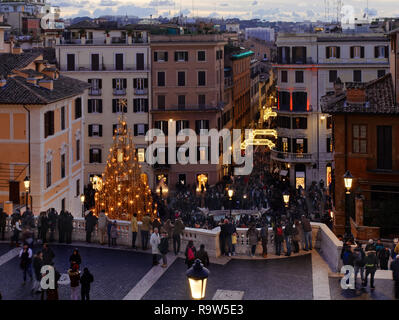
x: 155, y: 56
x: 165, y: 126
x: 124, y: 83
x: 166, y: 55
x: 198, y: 154
x: 294, y: 145
x: 387, y: 52
x: 134, y: 105
x: 146, y: 83
x: 352, y: 52
x: 305, y: 145
x: 375, y: 52
x: 90, y: 130
x: 327, y: 52
x: 89, y: 106
x: 362, y: 52
x: 289, y: 144
x: 91, y: 155
x: 89, y: 81
x: 113, y: 83
x: 100, y: 83
x: 145, y: 128
x: 100, y: 130
x: 145, y: 105
x: 125, y: 109
x: 197, y: 126
x: 135, y: 83
x: 338, y: 52
x: 113, y: 105
x: 186, y: 56
x: 99, y: 156
x: 175, y: 55
x: 100, y: 105
x: 135, y: 130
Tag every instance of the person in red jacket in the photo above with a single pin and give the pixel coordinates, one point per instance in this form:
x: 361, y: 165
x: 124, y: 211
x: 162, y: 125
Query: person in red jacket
x: 74, y: 276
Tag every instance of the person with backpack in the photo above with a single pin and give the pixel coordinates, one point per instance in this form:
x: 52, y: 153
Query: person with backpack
x: 85, y: 280
x: 190, y: 254
x: 264, y: 235
x: 25, y: 256
x: 371, y: 263
x: 154, y: 242
x: 278, y: 237
x: 359, y: 261
x: 164, y: 249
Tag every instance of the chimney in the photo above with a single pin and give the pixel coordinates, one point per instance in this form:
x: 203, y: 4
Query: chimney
x: 338, y: 87
x: 16, y: 50
x: 50, y: 72
x: 32, y: 81
x: 40, y: 65
x: 356, y: 95
x: 47, y: 83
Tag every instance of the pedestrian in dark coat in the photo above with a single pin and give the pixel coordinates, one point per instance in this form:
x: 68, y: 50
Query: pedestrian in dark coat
x: 203, y: 256
x: 278, y: 237
x: 383, y: 258
x: 190, y: 254
x: 75, y: 258
x: 253, y: 236
x: 371, y: 263
x: 264, y: 235
x: 44, y: 225
x: 91, y: 222
x: 61, y: 226
x: 48, y: 255
x: 395, y: 275
x: 68, y: 227
x: 3, y: 223
x: 85, y: 280
x: 37, y: 267
x: 52, y: 218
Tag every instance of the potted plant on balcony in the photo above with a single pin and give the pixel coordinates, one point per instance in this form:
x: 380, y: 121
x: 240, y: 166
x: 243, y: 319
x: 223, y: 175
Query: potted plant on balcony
x: 129, y: 36
x: 108, y: 38
x: 82, y: 33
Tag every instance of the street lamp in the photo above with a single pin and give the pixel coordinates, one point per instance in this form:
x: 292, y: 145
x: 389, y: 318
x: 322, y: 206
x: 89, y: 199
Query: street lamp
x: 348, y: 180
x: 230, y: 193
x: 286, y: 198
x: 27, y: 188
x: 197, y: 278
x: 82, y: 200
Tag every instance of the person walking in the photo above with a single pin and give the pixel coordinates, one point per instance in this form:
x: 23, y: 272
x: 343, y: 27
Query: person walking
x: 371, y: 246
x: 74, y: 277
x: 307, y: 232
x: 278, y: 237
x: 25, y: 264
x: 3, y: 223
x: 203, y: 256
x: 395, y: 248
x: 114, y: 233
x: 395, y: 275
x: 91, y: 222
x: 359, y: 258
x: 61, y: 226
x: 164, y: 248
x: 85, y: 280
x: 190, y: 254
x: 102, y: 226
x: 234, y: 243
x: 154, y: 242
x: 145, y: 231
x: 252, y: 235
x: 135, y: 228
x: 296, y: 236
x: 48, y: 255
x: 177, y: 232
x: 264, y: 236
x: 75, y: 258
x: 288, y: 237
x: 16, y: 231
x: 37, y: 267
x: 371, y: 263
x: 383, y: 258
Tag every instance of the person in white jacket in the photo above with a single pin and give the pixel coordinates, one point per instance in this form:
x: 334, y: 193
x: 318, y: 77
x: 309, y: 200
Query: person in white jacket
x: 155, y: 240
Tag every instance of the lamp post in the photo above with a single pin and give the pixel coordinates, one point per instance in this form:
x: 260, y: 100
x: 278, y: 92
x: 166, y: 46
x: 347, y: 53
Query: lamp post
x: 27, y: 188
x: 230, y: 193
x: 348, y: 179
x: 197, y: 278
x: 286, y: 198
x: 82, y: 200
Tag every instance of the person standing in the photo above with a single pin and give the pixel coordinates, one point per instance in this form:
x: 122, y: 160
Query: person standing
x: 190, y: 254
x: 61, y: 226
x: 135, y: 228
x: 395, y: 248
x: 395, y: 275
x: 264, y: 236
x: 74, y: 277
x: 203, y: 256
x: 359, y: 260
x: 278, y: 237
x: 145, y: 231
x: 25, y: 256
x: 52, y: 218
x: 307, y: 231
x: 48, y: 255
x: 43, y: 223
x: 114, y: 233
x: 85, y: 280
x: 75, y: 258
x: 296, y: 236
x: 3, y: 223
x: 37, y: 267
x: 288, y: 237
x: 164, y: 248
x: 109, y: 226
x: 371, y: 263
x: 154, y: 242
x: 68, y: 227
x: 177, y: 232
x: 252, y: 235
x: 52, y: 294
x: 16, y: 231
x: 102, y: 226
x: 383, y: 258
x: 91, y: 222
x: 371, y: 246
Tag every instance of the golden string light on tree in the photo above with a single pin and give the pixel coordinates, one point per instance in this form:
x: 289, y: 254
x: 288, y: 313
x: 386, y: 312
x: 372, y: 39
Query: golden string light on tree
x: 123, y: 190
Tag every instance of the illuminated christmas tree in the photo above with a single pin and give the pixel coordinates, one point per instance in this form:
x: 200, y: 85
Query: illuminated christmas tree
x: 123, y: 189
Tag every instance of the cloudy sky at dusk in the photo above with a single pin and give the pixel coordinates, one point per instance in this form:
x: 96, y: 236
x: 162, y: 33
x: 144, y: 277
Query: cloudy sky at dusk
x: 272, y: 10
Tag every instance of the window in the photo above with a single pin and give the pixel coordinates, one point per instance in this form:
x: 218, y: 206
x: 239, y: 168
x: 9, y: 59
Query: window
x: 301, y: 146
x: 284, y: 122
x: 384, y: 147
x: 300, y: 123
x: 141, y: 154
x: 285, y: 145
x: 119, y: 105
x: 182, y: 124
x: 95, y: 87
x: 181, y: 101
x: 201, y: 78
x: 201, y: 100
x: 357, y: 52
x: 284, y: 100
x: 201, y: 56
x: 62, y: 118
x: 117, y: 129
x: 95, y: 155
x: 284, y: 76
x: 203, y: 154
x: 333, y: 52
x: 78, y: 108
x: 95, y: 130
x: 48, y: 174
x: 140, y: 105
x: 162, y: 125
x: 140, y: 129
x: 329, y: 145
x: 63, y: 165
x: 181, y: 56
x: 161, y: 56
x: 299, y: 100
x: 357, y: 75
x: 119, y: 85
x: 161, y: 102
x: 70, y: 62
x: 161, y: 79
x: 329, y: 123
x: 77, y: 188
x: 200, y: 125
x: 95, y: 62
x: 359, y: 136
x: 380, y: 73
x: 119, y: 61
x: 283, y: 55
x: 77, y: 150
x: 139, y: 61
x: 219, y: 54
x: 333, y: 76
x: 299, y: 55
x: 181, y: 78
x: 299, y: 76
x: 95, y: 105
x: 48, y: 124
x: 381, y: 52
x: 140, y: 83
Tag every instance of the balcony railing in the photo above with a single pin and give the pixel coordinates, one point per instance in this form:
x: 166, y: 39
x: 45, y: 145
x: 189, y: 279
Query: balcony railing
x: 94, y: 92
x: 119, y: 92
x: 288, y: 156
x: 298, y: 60
x: 140, y: 91
x: 108, y: 67
x: 102, y: 41
x: 228, y: 82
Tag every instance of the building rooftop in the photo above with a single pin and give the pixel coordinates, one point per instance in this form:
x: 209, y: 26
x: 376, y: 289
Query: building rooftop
x: 379, y: 98
x: 9, y: 61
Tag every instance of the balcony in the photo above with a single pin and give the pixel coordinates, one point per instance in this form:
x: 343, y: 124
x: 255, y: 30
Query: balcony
x: 119, y: 92
x: 107, y: 67
x: 139, y: 92
x: 95, y: 92
x: 103, y: 41
x: 228, y: 82
x: 190, y: 107
x: 291, y: 157
x: 296, y: 61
